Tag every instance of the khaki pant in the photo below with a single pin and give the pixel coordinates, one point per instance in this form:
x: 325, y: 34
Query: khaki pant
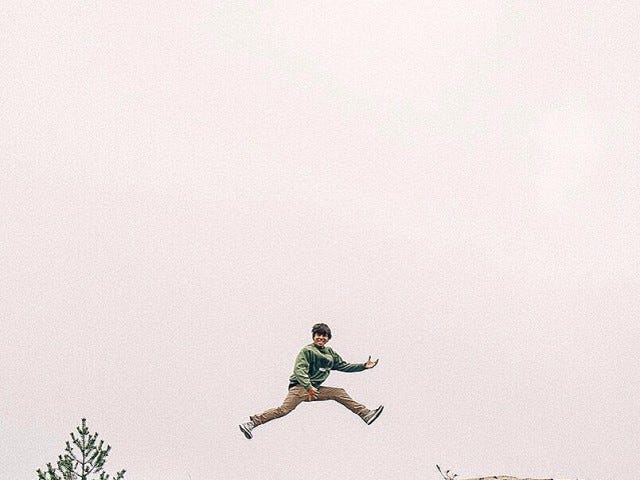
x: 298, y: 394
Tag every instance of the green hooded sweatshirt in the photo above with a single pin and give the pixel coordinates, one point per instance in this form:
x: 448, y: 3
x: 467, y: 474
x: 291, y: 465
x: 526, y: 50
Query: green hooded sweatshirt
x: 313, y: 365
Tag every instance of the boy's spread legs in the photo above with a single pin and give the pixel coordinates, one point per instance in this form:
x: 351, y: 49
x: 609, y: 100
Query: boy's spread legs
x: 297, y: 394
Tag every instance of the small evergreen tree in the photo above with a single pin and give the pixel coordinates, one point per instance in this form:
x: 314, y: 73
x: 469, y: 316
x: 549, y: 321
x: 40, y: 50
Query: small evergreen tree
x: 84, y: 459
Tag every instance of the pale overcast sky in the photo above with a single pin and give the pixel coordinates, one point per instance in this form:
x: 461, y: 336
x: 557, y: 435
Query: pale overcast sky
x: 454, y: 187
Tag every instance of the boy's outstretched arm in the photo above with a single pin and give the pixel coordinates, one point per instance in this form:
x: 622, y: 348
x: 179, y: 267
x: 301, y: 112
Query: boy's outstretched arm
x: 341, y: 365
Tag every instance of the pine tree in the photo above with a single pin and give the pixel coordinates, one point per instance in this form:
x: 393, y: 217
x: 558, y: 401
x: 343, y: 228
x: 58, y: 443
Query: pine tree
x: 84, y: 459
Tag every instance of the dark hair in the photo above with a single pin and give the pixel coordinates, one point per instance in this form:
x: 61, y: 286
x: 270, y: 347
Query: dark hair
x: 321, y: 328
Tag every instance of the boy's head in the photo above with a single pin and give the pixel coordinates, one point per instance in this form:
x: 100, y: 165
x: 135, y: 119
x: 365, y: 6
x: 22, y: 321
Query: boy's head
x: 321, y: 329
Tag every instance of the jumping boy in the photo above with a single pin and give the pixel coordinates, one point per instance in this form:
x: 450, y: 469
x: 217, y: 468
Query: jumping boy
x: 312, y: 367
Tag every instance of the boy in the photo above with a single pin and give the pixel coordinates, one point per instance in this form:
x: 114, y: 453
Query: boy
x: 312, y: 367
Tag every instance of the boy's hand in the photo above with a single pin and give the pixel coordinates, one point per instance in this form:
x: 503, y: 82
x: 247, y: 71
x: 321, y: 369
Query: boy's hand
x: 312, y: 393
x: 369, y: 363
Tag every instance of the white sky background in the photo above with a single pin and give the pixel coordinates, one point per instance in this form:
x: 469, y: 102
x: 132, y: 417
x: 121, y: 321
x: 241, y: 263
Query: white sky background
x: 453, y: 186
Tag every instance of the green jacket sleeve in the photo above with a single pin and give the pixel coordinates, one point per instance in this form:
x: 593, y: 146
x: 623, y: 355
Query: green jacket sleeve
x: 301, y: 369
x: 342, y: 366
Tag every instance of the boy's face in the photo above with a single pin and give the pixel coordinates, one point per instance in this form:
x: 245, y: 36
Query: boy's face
x: 320, y: 339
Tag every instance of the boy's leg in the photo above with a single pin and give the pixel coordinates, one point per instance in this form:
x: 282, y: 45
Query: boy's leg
x: 295, y: 396
x: 341, y: 396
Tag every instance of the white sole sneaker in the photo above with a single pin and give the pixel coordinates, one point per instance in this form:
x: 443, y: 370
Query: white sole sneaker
x: 246, y: 431
x: 375, y: 414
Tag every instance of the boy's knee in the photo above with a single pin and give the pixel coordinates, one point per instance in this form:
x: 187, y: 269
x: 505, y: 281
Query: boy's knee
x: 284, y: 410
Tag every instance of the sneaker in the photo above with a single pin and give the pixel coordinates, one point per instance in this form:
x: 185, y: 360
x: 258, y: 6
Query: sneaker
x: 370, y: 417
x: 246, y: 429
